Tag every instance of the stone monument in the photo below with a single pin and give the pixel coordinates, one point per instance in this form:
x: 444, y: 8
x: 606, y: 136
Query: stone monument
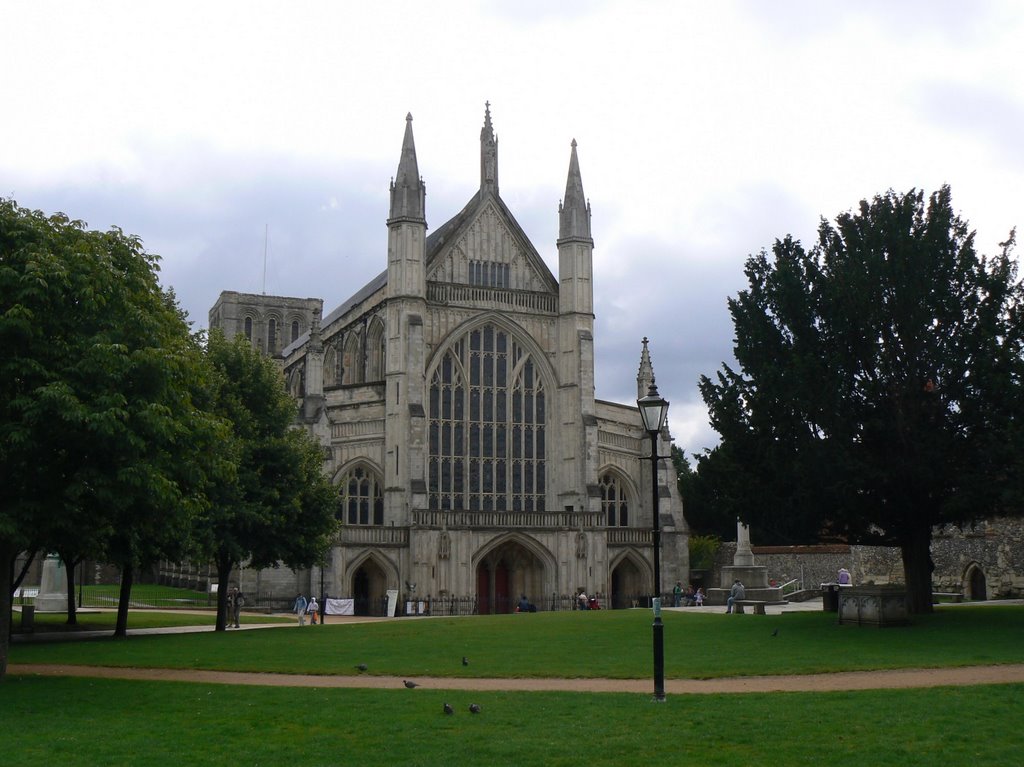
x: 53, y: 590
x: 753, y: 577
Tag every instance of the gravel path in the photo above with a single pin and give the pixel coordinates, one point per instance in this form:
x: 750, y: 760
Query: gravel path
x: 852, y: 680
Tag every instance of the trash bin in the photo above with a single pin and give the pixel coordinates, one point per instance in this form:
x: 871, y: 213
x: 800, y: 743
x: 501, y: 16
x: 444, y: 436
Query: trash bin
x: 830, y: 597
x: 28, y: 618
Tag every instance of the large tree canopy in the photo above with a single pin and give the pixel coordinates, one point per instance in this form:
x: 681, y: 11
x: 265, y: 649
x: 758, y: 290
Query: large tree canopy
x: 269, y: 498
x: 880, y: 389
x: 96, y: 418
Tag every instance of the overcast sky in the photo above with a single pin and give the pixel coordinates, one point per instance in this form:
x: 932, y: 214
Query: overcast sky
x: 705, y: 131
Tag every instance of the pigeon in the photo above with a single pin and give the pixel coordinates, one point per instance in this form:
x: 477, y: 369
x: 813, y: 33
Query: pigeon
x: 448, y: 709
x: 409, y: 684
x: 474, y: 708
x: 775, y: 633
x: 362, y: 667
x: 465, y: 661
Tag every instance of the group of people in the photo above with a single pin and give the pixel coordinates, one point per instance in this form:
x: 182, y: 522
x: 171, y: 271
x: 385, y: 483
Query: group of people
x: 583, y: 602
x: 311, y: 608
x: 688, y: 597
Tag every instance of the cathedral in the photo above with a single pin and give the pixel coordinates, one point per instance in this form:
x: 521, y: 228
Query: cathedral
x: 454, y: 398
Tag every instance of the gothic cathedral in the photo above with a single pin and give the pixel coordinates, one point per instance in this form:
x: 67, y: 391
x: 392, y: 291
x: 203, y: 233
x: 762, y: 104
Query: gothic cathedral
x: 454, y: 398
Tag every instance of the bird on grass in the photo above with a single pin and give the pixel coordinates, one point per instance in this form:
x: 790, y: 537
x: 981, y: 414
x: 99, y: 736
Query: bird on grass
x: 465, y: 661
x: 362, y: 667
x: 409, y: 684
x: 474, y: 708
x: 775, y: 633
x: 448, y: 709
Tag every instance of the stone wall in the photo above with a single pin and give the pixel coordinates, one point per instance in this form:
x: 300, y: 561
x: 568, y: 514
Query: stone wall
x: 993, y: 549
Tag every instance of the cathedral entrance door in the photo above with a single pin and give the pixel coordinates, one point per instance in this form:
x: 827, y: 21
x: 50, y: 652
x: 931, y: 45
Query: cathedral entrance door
x: 505, y: 574
x: 369, y: 589
x: 627, y: 584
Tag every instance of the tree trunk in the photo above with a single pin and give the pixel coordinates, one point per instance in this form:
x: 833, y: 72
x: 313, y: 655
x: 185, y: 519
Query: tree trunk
x: 917, y: 570
x: 121, y: 630
x: 6, y: 577
x: 69, y: 571
x: 223, y: 574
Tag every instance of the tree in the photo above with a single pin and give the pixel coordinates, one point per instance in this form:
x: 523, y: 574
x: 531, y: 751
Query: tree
x: 95, y: 411
x: 269, y: 500
x: 880, y: 384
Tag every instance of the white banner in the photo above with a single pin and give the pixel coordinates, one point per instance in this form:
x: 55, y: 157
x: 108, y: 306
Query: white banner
x: 340, y: 607
x: 393, y: 602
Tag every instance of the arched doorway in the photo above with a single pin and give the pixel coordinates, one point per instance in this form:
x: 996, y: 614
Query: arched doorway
x: 627, y: 583
x: 504, y: 574
x: 977, y: 587
x: 369, y: 589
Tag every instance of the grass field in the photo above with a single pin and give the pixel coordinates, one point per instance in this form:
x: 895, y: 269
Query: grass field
x: 609, y: 643
x: 137, y: 619
x: 95, y: 721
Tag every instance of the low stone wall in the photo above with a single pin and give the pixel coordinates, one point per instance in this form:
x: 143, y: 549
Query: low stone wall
x: 988, y: 556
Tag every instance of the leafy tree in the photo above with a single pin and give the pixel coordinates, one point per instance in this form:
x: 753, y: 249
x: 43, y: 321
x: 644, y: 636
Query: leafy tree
x: 95, y: 412
x: 880, y: 384
x: 269, y: 499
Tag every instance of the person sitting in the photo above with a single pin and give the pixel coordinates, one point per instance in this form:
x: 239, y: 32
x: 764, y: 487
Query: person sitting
x: 844, y: 576
x: 593, y: 604
x: 736, y: 594
x: 688, y: 597
x: 524, y: 605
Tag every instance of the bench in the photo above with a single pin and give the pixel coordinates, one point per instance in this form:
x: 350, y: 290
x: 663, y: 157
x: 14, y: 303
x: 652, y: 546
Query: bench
x: 739, y: 604
x: 949, y: 596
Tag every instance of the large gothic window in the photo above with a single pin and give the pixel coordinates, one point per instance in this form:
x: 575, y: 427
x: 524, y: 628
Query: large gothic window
x: 488, y: 420
x: 613, y: 500
x: 362, y: 502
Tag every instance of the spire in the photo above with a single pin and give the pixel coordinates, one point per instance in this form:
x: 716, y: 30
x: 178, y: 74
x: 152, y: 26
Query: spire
x: 645, y: 377
x: 574, y: 210
x: 407, y: 189
x: 488, y: 153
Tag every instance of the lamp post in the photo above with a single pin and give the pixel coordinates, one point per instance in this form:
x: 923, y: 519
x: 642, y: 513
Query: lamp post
x: 654, y: 411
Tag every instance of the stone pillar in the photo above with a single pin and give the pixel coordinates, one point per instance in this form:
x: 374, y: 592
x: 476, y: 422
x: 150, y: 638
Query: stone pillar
x: 53, y: 589
x: 744, y: 557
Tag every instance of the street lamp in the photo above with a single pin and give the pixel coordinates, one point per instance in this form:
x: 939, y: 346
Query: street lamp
x: 654, y: 411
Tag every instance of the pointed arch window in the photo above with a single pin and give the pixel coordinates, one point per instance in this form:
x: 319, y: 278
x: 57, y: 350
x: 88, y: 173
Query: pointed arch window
x: 614, y: 503
x: 271, y: 335
x: 375, y: 351
x: 362, y: 502
x: 488, y: 426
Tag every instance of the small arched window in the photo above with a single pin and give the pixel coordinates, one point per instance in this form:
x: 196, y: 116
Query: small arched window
x: 248, y: 328
x: 613, y: 501
x: 272, y: 336
x: 295, y: 331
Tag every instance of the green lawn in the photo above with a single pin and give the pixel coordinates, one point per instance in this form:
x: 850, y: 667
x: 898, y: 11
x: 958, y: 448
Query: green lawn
x: 609, y: 643
x: 112, y: 722
x: 137, y: 619
x: 71, y: 721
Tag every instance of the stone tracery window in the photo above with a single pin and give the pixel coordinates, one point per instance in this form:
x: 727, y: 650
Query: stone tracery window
x: 614, y: 503
x: 488, y: 416
x: 362, y: 502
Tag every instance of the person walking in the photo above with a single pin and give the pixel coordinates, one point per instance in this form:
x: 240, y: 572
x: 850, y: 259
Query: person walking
x: 313, y: 609
x: 237, y: 602
x: 677, y: 594
x: 300, y: 609
x: 737, y: 592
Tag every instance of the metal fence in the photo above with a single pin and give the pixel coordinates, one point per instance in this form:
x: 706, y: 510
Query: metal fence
x: 409, y: 604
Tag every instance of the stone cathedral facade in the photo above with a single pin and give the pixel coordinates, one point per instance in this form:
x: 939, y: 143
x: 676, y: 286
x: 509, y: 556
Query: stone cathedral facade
x: 454, y: 398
